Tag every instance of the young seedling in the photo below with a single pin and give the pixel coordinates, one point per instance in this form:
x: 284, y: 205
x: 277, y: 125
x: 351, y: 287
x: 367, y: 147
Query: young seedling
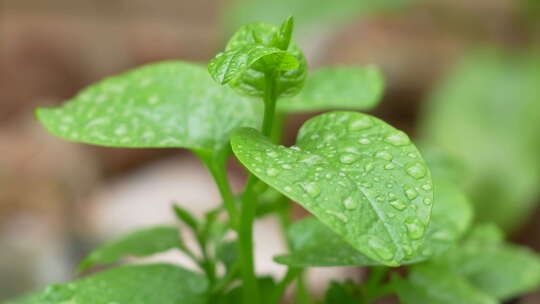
x: 372, y: 198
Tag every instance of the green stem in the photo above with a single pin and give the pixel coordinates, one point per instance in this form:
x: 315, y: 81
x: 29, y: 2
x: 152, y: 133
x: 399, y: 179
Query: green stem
x: 245, y: 235
x: 216, y: 166
x: 278, y: 293
x: 270, y: 99
x: 247, y: 215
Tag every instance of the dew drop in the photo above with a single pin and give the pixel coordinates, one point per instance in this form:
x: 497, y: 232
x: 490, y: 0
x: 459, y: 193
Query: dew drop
x: 415, y: 229
x: 408, y: 250
x: 428, y: 201
x: 368, y: 166
x: 342, y: 217
x: 398, y: 205
x: 416, y: 170
x: 384, y: 155
x: 286, y: 166
x: 287, y: 189
x: 410, y: 193
x: 364, y: 141
x: 312, y: 189
x: 389, y: 166
x: 379, y: 199
x: 427, y: 187
x: 349, y: 203
x: 359, y: 124
x: 380, y: 249
x: 397, y: 138
x: 347, y: 158
x: 272, y: 171
x: 272, y: 154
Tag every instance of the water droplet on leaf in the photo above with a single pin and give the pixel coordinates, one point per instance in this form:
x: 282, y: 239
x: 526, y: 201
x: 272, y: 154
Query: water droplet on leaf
x: 347, y: 158
x: 384, y: 155
x: 359, y: 124
x: 416, y: 170
x: 350, y: 203
x: 415, y: 229
x: 397, y: 138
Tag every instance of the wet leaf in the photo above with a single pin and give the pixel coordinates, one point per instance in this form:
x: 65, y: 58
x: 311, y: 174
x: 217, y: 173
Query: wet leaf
x: 355, y: 88
x: 252, y: 81
x: 351, y: 171
x: 169, y: 104
x: 156, y: 283
x: 141, y: 243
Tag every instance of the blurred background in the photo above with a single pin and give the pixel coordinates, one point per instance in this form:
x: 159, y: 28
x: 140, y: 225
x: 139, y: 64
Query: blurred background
x: 463, y: 77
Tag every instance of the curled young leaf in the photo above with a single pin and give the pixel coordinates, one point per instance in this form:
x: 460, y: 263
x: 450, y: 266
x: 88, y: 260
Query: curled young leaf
x: 233, y: 63
x: 354, y: 88
x: 141, y: 243
x: 290, y: 77
x: 168, y: 104
x: 358, y: 175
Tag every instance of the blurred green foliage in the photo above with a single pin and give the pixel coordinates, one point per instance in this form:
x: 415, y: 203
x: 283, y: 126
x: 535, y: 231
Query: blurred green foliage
x: 308, y: 13
x: 487, y: 113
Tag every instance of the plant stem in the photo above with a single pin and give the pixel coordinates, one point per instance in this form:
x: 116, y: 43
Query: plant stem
x: 247, y: 214
x: 216, y: 167
x: 270, y: 98
x: 278, y: 293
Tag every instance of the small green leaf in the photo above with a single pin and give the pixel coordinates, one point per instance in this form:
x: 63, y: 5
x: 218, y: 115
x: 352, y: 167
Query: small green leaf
x: 233, y: 63
x: 315, y: 245
x: 156, y: 283
x: 352, y: 172
x: 169, y: 104
x: 252, y: 81
x: 499, y: 269
x: 285, y: 33
x: 140, y: 243
x: 427, y: 284
x: 352, y: 88
x: 186, y: 217
x: 227, y: 253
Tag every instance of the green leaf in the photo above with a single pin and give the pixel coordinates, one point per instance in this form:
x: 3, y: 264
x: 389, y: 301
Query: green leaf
x: 340, y: 294
x: 352, y: 171
x: 427, y: 284
x: 252, y: 81
x: 499, y: 269
x: 315, y: 245
x: 231, y: 64
x: 486, y: 114
x: 156, y: 283
x: 186, y: 217
x: 227, y: 253
x: 353, y: 88
x: 169, y: 104
x: 141, y: 243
